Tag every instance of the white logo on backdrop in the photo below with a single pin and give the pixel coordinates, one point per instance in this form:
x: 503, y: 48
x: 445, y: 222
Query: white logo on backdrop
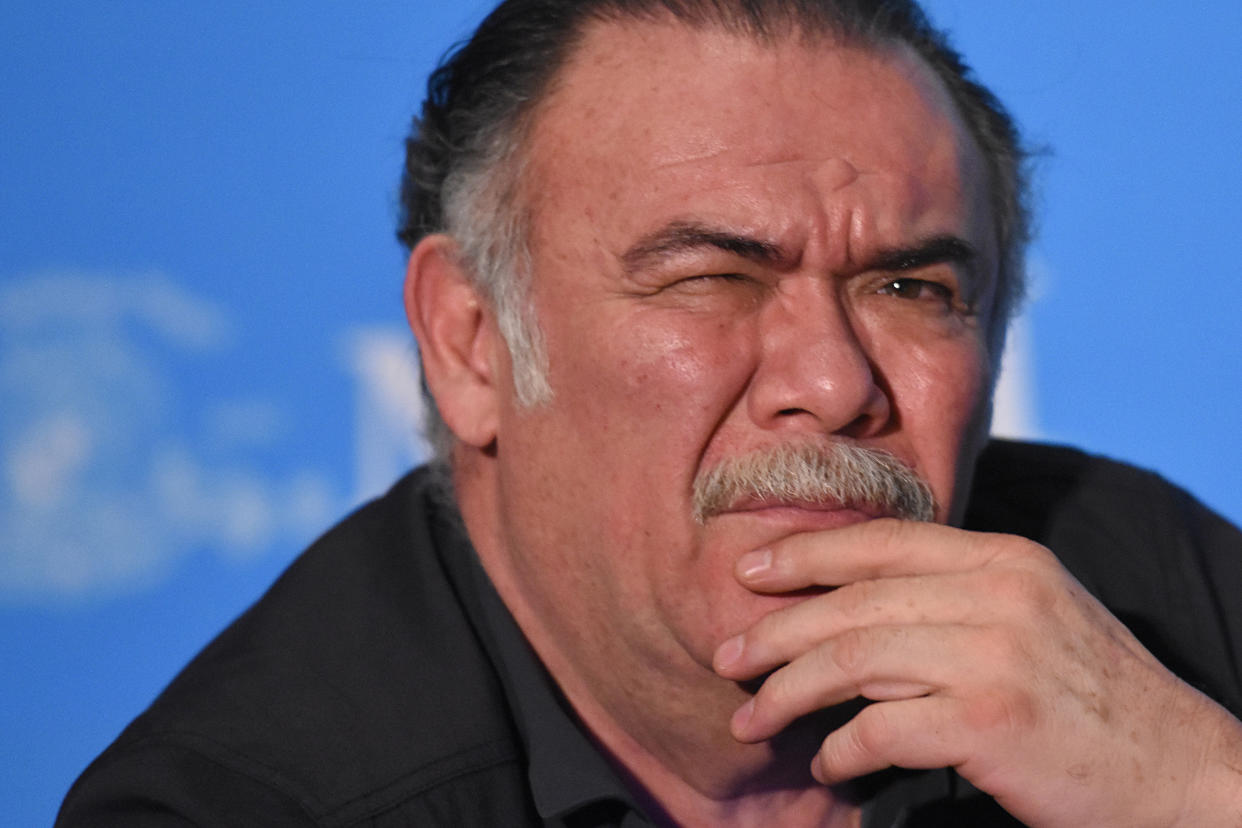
x: 388, y: 407
x: 108, y: 475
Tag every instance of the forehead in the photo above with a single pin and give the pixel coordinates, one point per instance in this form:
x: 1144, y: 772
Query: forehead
x: 652, y: 118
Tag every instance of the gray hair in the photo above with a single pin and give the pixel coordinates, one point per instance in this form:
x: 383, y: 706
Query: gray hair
x: 464, y: 156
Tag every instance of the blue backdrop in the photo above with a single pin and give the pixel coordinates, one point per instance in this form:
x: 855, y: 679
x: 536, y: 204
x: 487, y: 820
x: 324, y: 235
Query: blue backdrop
x: 202, y: 353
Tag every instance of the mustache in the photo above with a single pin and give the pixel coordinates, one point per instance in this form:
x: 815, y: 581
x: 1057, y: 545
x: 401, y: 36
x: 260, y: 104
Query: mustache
x: 841, y: 473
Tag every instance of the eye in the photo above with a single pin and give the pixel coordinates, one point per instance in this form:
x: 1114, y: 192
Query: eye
x: 707, y: 282
x: 928, y: 295
x: 711, y: 292
x: 910, y: 288
x: 725, y: 277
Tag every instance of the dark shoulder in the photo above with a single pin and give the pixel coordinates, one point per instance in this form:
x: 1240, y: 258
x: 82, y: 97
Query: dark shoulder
x: 355, y: 684
x: 1059, y: 494
x: 1026, y: 487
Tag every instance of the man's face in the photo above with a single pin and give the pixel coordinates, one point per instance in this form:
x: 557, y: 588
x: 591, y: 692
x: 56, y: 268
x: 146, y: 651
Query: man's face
x: 735, y: 246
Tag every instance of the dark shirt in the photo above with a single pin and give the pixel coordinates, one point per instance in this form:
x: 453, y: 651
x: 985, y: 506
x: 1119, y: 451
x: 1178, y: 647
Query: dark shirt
x: 381, y: 681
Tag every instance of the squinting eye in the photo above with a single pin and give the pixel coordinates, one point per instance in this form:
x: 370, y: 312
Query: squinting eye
x: 708, y: 281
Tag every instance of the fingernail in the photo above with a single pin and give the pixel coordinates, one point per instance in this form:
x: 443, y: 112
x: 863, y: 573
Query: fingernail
x: 728, y: 653
x: 742, y: 717
x: 753, y: 564
x: 817, y: 769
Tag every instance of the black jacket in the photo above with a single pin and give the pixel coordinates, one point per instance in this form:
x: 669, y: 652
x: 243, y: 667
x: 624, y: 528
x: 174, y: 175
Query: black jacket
x: 365, y: 689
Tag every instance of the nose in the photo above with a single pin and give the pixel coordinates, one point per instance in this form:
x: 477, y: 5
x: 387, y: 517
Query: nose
x: 815, y: 374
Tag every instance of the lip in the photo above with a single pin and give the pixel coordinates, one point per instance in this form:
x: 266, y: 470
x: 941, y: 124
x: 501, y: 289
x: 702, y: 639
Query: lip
x: 802, y: 516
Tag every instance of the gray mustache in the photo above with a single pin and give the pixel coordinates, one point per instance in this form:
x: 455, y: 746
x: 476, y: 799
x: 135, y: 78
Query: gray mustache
x: 840, y: 473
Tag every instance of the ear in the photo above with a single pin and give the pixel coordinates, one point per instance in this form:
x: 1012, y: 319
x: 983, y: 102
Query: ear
x: 457, y: 340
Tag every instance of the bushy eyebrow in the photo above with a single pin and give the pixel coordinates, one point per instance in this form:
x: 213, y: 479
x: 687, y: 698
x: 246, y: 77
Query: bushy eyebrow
x: 935, y: 250
x: 688, y: 237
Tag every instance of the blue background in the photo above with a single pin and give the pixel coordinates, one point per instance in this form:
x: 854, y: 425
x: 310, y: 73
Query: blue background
x: 202, y: 354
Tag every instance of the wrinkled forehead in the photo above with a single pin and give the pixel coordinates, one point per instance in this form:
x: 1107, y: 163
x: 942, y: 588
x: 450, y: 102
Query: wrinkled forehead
x: 645, y: 112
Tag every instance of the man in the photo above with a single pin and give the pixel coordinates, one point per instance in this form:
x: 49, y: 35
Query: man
x: 710, y: 298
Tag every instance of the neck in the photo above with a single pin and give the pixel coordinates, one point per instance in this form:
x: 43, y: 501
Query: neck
x: 659, y: 718
x: 682, y: 779
x: 680, y: 760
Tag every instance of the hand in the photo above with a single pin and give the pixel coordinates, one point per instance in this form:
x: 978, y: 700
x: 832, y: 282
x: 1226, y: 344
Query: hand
x: 981, y: 653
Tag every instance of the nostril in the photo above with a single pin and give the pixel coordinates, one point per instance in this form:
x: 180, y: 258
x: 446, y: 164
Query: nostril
x: 861, y: 425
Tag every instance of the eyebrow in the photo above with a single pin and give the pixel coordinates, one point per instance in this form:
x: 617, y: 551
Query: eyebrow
x: 687, y: 237
x: 935, y: 250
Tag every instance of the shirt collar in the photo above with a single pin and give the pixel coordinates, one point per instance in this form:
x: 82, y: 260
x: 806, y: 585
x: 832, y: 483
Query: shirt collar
x: 567, y: 772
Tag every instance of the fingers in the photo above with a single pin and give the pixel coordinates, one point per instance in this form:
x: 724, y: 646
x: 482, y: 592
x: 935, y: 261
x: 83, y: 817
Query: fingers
x: 782, y: 636
x: 918, y: 733
x: 877, y: 663
x: 1019, y: 596
x: 882, y: 548
x: 979, y: 652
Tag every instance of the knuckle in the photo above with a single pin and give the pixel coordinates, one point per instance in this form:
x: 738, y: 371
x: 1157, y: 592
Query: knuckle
x: 1002, y: 711
x: 1010, y: 656
x: 873, y: 732
x: 837, y: 755
x: 766, y: 629
x: 778, y: 691
x: 1013, y: 548
x: 1022, y: 588
x: 856, y: 599
x: 858, y: 747
x: 888, y: 532
x: 849, y: 653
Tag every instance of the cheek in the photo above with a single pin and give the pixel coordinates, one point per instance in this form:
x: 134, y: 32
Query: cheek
x: 660, y: 374
x: 950, y: 378
x: 938, y: 389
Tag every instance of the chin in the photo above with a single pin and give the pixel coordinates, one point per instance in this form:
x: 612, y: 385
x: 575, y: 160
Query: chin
x: 729, y: 607
x: 732, y: 611
x: 755, y: 606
